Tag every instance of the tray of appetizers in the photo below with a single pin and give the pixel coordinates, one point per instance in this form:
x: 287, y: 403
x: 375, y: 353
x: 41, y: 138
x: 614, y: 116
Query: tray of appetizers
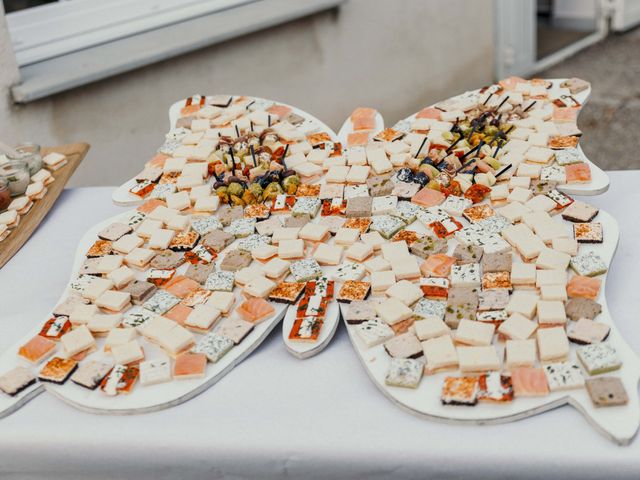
x: 203, y: 128
x: 530, y: 126
x: 464, y: 257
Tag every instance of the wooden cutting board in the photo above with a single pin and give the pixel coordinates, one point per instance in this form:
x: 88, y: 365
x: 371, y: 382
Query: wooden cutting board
x: 75, y: 153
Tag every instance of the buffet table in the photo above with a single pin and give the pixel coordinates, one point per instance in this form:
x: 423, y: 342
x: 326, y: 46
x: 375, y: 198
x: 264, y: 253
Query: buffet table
x: 275, y: 416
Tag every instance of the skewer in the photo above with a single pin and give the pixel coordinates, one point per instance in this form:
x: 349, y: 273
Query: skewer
x: 477, y: 147
x: 237, y: 130
x: 253, y: 155
x: 450, y: 147
x: 502, y: 171
x: 284, y: 154
x: 502, y: 102
x: 233, y: 159
x: 424, y: 140
x: 529, y: 107
x: 497, y: 150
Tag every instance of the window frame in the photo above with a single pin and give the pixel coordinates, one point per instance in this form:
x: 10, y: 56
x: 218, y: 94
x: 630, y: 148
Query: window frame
x: 75, y: 25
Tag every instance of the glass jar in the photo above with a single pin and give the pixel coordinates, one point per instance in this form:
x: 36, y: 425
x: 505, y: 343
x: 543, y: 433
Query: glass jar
x: 5, y: 194
x: 16, y: 174
x: 30, y: 154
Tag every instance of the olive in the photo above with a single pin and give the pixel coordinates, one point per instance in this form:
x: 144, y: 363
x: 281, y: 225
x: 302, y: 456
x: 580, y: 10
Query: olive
x: 218, y: 185
x: 421, y: 178
x: 404, y: 175
x: 288, y: 173
x: 426, y: 160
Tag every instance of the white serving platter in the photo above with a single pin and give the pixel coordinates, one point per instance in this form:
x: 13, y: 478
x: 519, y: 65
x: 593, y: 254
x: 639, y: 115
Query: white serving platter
x: 121, y: 195
x: 347, y: 128
x: 599, y: 179
x: 620, y: 424
x: 142, y: 399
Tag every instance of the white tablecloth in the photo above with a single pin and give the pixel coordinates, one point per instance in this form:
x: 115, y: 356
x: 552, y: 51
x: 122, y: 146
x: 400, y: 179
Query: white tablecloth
x: 275, y: 416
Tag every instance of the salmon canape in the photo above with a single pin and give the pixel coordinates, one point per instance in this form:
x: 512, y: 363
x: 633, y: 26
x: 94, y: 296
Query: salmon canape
x: 363, y: 118
x: 583, y: 287
x: 179, y: 313
x: 437, y: 265
x: 189, y: 109
x: 157, y: 161
x: 429, y: 112
x: 150, y: 205
x: 578, y: 173
x: 255, y: 309
x: 37, y: 349
x: 181, y: 286
x: 280, y: 111
x: 357, y: 139
x: 428, y: 197
x: 529, y: 382
x: 511, y: 82
x: 565, y: 114
x: 190, y: 365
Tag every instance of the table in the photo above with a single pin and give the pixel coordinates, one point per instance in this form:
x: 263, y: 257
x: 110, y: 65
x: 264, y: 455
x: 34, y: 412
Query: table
x: 275, y: 416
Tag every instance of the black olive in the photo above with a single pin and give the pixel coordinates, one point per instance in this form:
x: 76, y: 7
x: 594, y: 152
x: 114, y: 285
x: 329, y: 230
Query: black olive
x: 421, y: 178
x: 219, y: 184
x: 288, y: 173
x: 427, y: 161
x: 265, y: 181
x: 404, y: 175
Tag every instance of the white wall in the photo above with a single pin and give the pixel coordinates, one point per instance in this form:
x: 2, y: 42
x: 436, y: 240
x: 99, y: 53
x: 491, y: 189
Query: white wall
x: 397, y: 56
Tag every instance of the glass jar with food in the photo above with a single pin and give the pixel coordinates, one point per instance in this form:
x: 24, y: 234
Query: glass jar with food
x: 30, y: 154
x: 16, y: 174
x: 5, y: 194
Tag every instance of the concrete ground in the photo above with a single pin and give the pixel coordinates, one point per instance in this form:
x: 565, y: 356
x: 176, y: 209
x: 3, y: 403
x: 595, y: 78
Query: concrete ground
x: 611, y: 119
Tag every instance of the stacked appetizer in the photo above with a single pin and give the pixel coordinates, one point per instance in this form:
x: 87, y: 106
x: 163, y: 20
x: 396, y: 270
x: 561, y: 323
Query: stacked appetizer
x: 171, y: 290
